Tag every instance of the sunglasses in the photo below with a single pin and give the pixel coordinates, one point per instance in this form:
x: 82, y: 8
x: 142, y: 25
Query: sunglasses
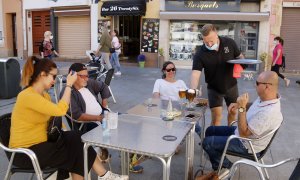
x: 53, y: 76
x: 83, y: 76
x: 258, y: 83
x: 172, y: 69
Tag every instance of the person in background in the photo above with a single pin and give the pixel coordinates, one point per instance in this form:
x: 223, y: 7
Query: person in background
x: 30, y: 118
x: 105, y: 44
x: 212, y: 56
x: 277, y: 59
x: 168, y: 87
x: 263, y: 116
x: 114, y: 60
x: 46, y: 48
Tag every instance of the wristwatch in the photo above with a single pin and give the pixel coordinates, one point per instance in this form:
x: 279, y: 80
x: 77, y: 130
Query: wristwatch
x: 242, y: 109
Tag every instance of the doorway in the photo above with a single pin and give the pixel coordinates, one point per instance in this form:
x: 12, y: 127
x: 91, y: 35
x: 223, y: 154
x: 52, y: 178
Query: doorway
x: 14, y: 34
x: 40, y: 24
x: 129, y: 33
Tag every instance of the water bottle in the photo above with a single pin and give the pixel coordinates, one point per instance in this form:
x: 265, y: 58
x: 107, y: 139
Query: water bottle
x: 105, y: 129
x: 170, y: 110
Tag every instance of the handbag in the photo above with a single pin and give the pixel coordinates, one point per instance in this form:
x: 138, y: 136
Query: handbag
x: 112, y: 50
x: 54, y: 131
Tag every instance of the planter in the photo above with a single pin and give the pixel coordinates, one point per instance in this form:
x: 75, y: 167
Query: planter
x: 161, y: 60
x: 142, y: 64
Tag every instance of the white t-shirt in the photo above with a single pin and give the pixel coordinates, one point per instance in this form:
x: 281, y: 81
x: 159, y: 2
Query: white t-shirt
x: 262, y: 118
x: 92, y: 107
x: 116, y: 44
x: 168, y: 90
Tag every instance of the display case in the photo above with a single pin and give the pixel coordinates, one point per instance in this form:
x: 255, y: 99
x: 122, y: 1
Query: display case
x: 184, y: 37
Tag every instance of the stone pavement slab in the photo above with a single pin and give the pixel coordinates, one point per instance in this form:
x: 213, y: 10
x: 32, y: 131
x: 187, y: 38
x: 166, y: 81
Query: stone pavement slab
x: 136, y: 84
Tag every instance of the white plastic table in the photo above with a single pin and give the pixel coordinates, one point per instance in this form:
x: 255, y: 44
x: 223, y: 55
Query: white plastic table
x: 141, y: 135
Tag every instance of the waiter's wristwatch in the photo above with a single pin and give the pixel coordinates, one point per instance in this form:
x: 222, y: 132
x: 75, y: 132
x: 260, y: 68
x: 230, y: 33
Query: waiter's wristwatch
x: 242, y: 109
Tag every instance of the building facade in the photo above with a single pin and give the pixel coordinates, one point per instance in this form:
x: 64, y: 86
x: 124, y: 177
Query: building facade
x: 72, y: 22
x: 11, y: 33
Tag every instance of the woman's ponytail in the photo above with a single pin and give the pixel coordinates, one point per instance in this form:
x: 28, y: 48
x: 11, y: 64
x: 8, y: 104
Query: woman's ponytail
x: 27, y: 72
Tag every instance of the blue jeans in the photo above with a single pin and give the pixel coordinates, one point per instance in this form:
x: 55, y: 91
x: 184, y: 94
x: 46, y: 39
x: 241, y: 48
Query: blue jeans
x: 114, y: 61
x: 215, y: 141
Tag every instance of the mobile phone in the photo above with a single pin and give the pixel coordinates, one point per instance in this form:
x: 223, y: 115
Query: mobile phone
x: 72, y: 72
x: 190, y: 116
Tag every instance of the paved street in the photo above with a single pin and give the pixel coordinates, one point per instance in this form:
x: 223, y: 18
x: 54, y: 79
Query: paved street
x: 136, y: 84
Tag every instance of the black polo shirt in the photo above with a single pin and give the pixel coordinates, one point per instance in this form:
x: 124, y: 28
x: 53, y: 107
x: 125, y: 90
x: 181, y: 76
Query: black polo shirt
x: 218, y: 73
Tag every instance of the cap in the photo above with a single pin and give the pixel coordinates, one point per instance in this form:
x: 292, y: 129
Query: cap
x: 77, y: 67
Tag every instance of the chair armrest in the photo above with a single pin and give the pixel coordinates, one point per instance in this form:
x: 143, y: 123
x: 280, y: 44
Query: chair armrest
x: 257, y: 165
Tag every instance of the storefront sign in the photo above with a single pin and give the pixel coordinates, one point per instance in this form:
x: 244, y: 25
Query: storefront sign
x: 150, y: 32
x: 113, y: 8
x: 202, y: 5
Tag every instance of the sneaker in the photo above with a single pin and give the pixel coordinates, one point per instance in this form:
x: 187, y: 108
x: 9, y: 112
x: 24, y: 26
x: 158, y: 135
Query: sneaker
x: 287, y: 82
x: 104, y: 155
x: 112, y: 176
x: 136, y: 169
x: 118, y: 73
x: 224, y: 173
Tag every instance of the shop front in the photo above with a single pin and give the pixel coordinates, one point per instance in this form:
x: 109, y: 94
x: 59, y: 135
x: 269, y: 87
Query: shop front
x: 138, y: 26
x: 235, y: 19
x: 125, y: 17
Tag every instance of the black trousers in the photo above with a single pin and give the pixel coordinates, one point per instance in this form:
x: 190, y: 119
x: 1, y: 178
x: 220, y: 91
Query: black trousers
x: 276, y: 69
x: 67, y: 156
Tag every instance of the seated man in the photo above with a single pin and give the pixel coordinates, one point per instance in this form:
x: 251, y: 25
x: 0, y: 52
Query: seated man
x: 263, y: 116
x: 84, y: 104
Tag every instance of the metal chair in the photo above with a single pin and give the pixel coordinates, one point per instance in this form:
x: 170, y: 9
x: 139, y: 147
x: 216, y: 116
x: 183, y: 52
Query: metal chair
x: 258, y: 166
x: 107, y: 81
x: 5, y: 123
x: 253, y: 156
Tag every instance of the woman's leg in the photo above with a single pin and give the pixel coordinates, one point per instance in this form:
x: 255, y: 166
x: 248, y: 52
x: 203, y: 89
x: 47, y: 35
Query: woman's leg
x: 117, y: 61
x: 276, y: 69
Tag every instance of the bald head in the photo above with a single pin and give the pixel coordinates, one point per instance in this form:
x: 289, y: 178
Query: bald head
x: 269, y: 77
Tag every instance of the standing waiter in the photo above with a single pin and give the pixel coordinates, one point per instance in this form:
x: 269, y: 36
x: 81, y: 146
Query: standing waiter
x: 213, y: 57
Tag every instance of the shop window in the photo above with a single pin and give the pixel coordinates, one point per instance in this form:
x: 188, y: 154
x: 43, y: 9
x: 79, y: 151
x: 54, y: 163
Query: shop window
x: 185, y: 36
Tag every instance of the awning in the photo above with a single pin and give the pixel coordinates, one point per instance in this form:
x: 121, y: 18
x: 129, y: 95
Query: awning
x: 233, y: 16
x: 124, y: 8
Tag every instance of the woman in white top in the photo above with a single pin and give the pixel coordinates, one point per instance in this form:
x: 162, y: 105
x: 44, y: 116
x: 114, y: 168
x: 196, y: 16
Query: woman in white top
x: 114, y: 60
x: 168, y: 87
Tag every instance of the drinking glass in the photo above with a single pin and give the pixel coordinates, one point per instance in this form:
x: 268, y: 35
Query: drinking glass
x: 113, y: 120
x: 190, y: 95
x: 182, y: 96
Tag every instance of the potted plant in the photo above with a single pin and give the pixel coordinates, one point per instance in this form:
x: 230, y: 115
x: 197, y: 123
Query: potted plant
x: 264, y: 58
x: 141, y: 59
x: 161, y: 57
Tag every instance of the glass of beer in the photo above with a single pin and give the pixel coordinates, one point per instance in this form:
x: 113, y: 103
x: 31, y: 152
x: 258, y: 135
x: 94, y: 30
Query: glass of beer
x: 182, y: 96
x: 190, y: 95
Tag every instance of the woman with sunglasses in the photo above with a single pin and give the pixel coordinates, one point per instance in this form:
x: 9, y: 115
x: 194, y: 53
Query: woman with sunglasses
x: 29, y: 122
x: 168, y: 87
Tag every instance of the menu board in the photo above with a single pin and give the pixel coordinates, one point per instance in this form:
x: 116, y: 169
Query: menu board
x: 101, y: 25
x: 150, y: 32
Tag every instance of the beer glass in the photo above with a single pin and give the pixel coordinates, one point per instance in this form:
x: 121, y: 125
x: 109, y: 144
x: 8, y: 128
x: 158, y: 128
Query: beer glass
x: 190, y: 95
x: 182, y: 96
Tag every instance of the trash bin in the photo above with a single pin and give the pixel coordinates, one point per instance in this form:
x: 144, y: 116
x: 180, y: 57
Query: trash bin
x: 10, y: 77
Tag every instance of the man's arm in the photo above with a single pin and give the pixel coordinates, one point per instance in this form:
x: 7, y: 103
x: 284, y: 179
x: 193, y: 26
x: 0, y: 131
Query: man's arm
x: 88, y: 117
x: 195, y: 78
x: 104, y: 103
x: 242, y: 120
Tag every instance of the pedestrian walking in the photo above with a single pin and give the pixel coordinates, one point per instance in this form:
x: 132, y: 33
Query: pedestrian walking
x: 46, y: 48
x: 114, y: 60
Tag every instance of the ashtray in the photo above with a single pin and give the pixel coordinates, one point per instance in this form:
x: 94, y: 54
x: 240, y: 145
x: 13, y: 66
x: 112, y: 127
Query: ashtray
x: 169, y: 138
x: 168, y: 119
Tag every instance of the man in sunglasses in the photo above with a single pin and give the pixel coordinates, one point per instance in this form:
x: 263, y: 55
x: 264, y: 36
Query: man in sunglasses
x: 263, y: 116
x: 213, y: 57
x: 84, y: 104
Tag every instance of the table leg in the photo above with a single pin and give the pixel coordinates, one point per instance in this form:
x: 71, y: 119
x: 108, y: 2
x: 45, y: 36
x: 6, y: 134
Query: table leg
x: 166, y: 167
x: 125, y: 163
x: 85, y: 155
x: 202, y: 138
x: 189, y: 161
